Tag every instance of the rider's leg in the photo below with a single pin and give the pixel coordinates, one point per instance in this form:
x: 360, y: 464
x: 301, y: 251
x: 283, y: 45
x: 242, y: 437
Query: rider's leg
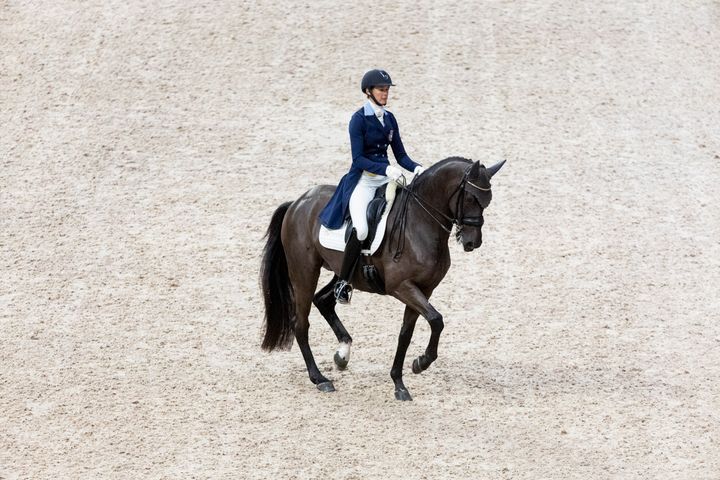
x: 343, y: 289
x: 359, y: 200
x: 363, y: 193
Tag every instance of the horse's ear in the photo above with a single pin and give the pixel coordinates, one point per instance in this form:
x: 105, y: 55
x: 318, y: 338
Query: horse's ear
x: 475, y: 170
x: 494, y: 169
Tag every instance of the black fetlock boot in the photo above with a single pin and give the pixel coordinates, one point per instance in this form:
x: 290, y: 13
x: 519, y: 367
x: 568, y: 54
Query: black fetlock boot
x: 343, y: 289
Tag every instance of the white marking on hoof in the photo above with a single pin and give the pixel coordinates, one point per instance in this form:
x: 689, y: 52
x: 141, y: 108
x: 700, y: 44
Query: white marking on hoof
x: 343, y: 351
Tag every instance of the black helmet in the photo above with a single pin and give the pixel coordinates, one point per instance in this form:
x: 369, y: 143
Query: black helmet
x: 375, y: 78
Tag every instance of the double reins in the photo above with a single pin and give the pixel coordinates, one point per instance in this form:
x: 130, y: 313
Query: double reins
x: 460, y: 220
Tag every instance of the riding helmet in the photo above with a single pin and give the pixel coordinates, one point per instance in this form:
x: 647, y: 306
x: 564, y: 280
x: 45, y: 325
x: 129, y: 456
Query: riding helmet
x: 375, y: 78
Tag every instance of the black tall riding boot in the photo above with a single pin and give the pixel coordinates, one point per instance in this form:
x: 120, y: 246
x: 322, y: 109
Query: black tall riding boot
x: 343, y: 289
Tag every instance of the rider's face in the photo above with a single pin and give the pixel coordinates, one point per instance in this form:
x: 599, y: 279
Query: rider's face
x: 380, y: 94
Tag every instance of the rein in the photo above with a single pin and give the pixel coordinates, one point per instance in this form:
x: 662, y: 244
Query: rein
x: 460, y: 220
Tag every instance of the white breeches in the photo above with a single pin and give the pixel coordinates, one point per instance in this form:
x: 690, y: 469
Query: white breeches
x: 363, y: 193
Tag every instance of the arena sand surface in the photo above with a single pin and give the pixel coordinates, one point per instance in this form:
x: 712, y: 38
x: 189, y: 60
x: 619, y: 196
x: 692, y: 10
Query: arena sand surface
x: 144, y: 146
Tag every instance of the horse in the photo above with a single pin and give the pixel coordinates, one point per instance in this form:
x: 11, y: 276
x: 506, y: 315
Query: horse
x: 412, y: 261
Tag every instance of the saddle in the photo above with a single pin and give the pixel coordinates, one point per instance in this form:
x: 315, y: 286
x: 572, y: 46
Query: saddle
x: 377, y: 219
x: 377, y: 214
x: 375, y: 210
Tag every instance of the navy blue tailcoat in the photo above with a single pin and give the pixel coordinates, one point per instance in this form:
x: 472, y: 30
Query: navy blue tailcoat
x: 369, y: 140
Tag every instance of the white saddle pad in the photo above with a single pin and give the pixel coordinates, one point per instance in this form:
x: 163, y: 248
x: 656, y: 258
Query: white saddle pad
x: 335, y: 239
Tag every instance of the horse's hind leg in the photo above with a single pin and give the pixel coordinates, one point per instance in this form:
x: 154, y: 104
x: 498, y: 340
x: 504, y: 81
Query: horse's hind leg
x: 325, y: 302
x: 304, y: 280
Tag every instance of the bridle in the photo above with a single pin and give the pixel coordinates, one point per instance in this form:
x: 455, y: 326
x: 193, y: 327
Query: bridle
x: 460, y: 220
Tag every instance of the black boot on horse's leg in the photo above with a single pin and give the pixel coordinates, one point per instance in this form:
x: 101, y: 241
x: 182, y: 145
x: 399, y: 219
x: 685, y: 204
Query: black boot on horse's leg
x: 343, y: 289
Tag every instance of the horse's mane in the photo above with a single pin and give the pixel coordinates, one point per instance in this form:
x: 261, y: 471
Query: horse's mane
x: 435, y: 167
x: 448, y: 160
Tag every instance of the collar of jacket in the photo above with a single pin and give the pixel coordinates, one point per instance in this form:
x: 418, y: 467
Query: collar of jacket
x: 369, y: 109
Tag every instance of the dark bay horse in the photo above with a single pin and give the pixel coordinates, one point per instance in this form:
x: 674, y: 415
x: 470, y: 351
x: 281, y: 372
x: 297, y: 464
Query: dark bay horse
x: 454, y: 191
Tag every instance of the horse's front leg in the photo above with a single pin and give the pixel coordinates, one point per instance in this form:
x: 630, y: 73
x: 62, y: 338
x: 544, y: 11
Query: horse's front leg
x: 417, y: 303
x: 406, y: 332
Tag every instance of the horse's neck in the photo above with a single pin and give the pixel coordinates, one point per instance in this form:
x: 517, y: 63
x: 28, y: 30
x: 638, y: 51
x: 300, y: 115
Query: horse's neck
x: 440, y: 186
x: 435, y: 194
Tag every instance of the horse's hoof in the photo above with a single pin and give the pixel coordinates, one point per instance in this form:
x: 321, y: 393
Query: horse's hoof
x: 342, y: 355
x: 340, y: 362
x: 416, y: 366
x: 326, y: 387
x: 402, y: 395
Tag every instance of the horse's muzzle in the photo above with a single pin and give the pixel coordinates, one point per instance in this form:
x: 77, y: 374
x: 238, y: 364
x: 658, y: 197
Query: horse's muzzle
x: 469, y: 247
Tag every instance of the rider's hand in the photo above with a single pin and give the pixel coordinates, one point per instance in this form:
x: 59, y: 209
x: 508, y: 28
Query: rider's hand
x: 393, y: 172
x: 419, y: 170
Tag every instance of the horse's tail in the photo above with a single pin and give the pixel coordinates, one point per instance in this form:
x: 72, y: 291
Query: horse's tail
x: 277, y: 289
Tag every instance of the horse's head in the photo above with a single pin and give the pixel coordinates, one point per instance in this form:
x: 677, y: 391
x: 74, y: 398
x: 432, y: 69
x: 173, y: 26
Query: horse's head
x: 474, y: 196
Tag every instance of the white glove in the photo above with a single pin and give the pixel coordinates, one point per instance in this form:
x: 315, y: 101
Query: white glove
x: 393, y: 172
x: 419, y: 170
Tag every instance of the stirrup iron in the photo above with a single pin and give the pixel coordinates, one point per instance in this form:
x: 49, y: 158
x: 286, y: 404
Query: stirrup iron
x: 343, y: 292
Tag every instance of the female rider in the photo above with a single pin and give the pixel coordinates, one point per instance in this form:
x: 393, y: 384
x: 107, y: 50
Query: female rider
x: 372, y: 129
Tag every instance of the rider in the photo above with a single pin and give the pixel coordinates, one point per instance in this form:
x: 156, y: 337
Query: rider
x: 372, y: 129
